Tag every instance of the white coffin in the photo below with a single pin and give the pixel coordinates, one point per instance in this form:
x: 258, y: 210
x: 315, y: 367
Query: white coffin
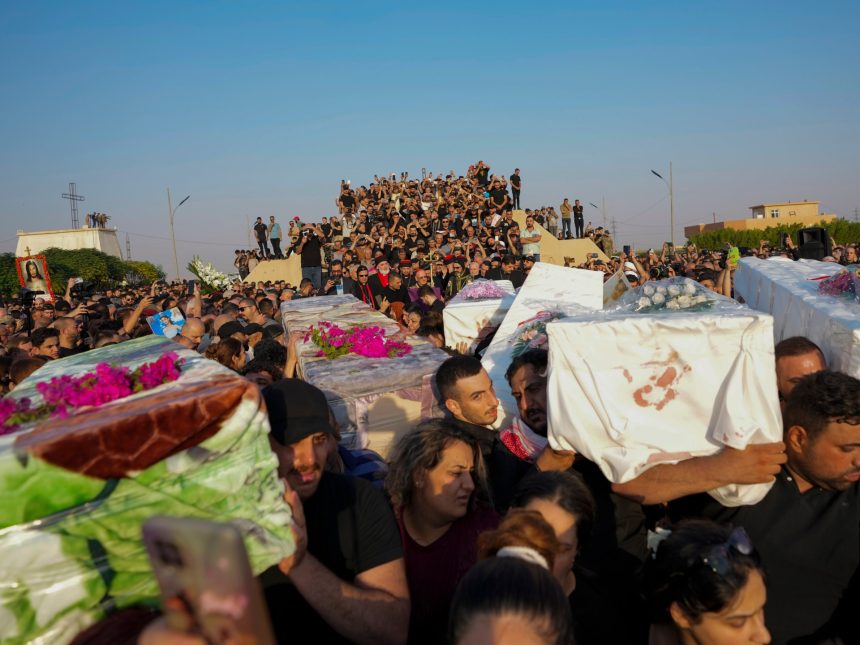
x: 470, y: 321
x: 629, y: 391
x: 548, y: 288
x: 789, y: 292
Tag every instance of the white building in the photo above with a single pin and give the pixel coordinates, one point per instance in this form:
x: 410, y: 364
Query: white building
x: 100, y: 239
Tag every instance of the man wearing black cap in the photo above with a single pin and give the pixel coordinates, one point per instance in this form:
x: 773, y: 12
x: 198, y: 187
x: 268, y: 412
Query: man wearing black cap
x: 349, y: 583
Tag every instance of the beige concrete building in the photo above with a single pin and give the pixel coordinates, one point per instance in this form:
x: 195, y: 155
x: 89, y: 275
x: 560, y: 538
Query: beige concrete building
x: 100, y: 239
x: 767, y: 215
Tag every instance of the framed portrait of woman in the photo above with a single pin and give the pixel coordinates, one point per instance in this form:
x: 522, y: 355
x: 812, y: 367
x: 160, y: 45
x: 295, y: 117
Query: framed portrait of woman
x: 33, y: 275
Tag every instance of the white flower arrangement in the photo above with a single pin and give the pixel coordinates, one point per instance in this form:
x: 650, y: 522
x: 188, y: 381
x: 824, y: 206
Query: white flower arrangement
x: 211, y: 279
x: 675, y: 294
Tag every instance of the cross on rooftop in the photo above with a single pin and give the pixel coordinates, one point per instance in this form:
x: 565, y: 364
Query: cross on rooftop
x: 73, y: 198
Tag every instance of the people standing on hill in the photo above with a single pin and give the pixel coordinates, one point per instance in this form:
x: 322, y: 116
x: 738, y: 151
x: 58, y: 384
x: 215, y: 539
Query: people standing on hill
x: 275, y: 237
x: 578, y: 218
x: 261, y: 234
x: 516, y: 187
x: 566, y: 209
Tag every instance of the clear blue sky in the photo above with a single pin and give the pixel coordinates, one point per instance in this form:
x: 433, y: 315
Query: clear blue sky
x: 258, y: 108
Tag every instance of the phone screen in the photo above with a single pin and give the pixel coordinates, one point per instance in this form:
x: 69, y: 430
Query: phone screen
x: 206, y: 583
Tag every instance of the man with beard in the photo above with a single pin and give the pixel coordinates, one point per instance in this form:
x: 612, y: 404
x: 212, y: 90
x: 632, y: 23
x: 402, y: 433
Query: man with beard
x: 807, y: 528
x: 347, y: 580
x: 70, y: 333
x: 379, y: 280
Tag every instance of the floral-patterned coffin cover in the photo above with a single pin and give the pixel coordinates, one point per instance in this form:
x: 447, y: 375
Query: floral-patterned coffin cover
x: 673, y: 371
x: 549, y: 292
x: 75, y: 491
x: 790, y: 292
x: 353, y: 383
x: 471, y: 320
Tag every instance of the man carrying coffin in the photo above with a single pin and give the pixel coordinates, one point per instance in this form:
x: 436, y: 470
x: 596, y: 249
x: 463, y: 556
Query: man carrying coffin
x: 348, y: 582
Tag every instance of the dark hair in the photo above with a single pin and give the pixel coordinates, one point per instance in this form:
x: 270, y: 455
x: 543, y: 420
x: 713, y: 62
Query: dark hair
x: 266, y: 307
x: 271, y: 351
x: 796, y: 346
x: 414, y: 308
x: 680, y: 573
x: 39, y: 336
x: 537, y: 358
x: 499, y: 586
x: 31, y: 263
x: 451, y: 371
x: 260, y: 365
x: 421, y: 449
x: 225, y: 351
x: 229, y: 308
x: 565, y: 488
x: 22, y: 368
x: 426, y: 290
x: 820, y: 398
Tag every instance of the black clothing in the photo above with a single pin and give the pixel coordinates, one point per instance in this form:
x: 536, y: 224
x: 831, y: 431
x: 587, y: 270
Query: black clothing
x: 504, y: 469
x: 498, y: 196
x: 71, y: 352
x: 516, y: 186
x: 810, y: 546
x: 310, y: 253
x: 401, y: 295
x: 438, y: 306
x: 261, y: 231
x: 578, y: 220
x: 276, y: 247
x: 365, y: 294
x: 351, y: 529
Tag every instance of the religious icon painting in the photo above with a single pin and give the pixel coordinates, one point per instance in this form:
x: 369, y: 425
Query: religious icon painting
x: 33, y: 275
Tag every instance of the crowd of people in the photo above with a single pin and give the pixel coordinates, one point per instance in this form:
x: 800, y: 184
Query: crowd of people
x: 466, y: 534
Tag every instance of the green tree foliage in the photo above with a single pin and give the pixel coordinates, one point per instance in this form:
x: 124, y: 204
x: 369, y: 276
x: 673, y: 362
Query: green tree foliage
x: 145, y: 271
x: 93, y: 266
x: 8, y: 273
x: 842, y: 231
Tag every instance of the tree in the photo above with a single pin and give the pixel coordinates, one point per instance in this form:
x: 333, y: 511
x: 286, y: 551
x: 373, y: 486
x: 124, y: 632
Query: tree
x: 92, y: 266
x: 842, y: 231
x: 145, y: 271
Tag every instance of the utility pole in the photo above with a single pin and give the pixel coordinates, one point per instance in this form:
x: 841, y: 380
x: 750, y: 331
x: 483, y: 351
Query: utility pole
x: 614, y: 230
x: 714, y: 215
x: 172, y: 212
x: 671, y: 205
x: 603, y: 203
x: 127, y: 248
x: 856, y: 213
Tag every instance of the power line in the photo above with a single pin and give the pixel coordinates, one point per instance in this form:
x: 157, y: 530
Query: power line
x: 156, y: 237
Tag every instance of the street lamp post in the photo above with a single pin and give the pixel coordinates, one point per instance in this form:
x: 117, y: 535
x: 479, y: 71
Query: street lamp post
x: 671, y: 200
x: 172, y: 212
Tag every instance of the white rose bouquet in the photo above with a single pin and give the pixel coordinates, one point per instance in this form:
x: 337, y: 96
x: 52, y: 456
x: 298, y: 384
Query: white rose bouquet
x: 673, y: 294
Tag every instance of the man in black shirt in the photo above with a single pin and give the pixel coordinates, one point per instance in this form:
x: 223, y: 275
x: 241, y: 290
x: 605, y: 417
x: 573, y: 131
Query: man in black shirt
x: 261, y: 234
x: 807, y: 528
x: 499, y: 197
x: 310, y: 248
x: 349, y: 583
x: 516, y: 187
x: 578, y: 218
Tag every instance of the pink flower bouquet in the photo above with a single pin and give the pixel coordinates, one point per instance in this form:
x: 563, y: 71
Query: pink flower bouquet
x: 481, y: 290
x: 63, y: 395
x: 363, y: 340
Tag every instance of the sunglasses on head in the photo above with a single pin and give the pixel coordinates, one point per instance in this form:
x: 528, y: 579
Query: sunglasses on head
x: 718, y: 558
